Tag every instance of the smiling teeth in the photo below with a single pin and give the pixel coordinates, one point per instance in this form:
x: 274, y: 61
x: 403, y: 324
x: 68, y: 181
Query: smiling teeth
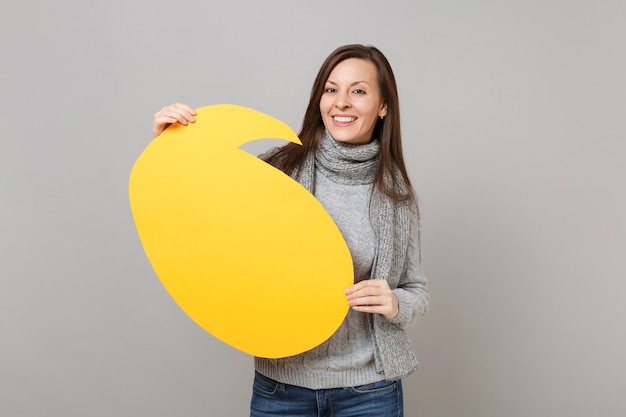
x: 342, y: 119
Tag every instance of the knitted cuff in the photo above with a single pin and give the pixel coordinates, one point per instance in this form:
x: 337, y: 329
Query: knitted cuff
x: 403, y: 318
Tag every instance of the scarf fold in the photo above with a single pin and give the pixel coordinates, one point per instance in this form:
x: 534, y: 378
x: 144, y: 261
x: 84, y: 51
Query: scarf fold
x: 356, y: 164
x: 346, y: 163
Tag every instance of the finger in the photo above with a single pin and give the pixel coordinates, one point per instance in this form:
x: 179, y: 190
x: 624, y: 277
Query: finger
x: 385, y: 307
x: 368, y: 301
x: 385, y: 303
x: 165, y: 120
x: 370, y: 283
x: 161, y: 123
x: 185, y: 108
x: 366, y: 291
x: 174, y: 115
x: 373, y: 309
x: 183, y: 113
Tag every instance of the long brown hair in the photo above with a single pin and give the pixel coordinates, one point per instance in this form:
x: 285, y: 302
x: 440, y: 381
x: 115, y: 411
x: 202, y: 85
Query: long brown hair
x: 390, y: 159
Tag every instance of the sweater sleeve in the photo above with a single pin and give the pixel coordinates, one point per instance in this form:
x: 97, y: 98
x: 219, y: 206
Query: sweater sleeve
x: 412, y: 292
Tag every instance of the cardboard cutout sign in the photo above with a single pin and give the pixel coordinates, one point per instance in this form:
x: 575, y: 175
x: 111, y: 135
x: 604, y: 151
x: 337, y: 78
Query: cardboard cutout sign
x: 248, y: 253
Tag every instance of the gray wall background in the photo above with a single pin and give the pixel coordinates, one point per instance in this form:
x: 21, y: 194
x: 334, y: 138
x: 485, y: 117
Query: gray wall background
x: 514, y: 125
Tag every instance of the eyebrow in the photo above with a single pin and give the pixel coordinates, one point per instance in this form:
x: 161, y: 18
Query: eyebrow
x: 354, y: 83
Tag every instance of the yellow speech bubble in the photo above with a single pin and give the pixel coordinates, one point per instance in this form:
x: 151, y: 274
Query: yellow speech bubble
x: 247, y: 252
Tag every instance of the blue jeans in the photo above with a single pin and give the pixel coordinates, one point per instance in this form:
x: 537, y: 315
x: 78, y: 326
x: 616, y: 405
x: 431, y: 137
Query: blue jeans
x: 273, y: 398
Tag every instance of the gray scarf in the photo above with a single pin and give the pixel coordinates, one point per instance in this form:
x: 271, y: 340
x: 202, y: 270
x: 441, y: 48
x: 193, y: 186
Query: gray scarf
x: 356, y: 164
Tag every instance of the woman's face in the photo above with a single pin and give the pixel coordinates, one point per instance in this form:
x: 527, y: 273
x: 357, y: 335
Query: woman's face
x: 351, y: 103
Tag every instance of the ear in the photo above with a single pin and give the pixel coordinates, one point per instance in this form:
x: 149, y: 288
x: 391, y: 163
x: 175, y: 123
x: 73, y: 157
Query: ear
x: 383, y: 111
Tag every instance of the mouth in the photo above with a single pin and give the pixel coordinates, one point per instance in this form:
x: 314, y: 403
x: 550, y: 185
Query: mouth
x: 343, y: 119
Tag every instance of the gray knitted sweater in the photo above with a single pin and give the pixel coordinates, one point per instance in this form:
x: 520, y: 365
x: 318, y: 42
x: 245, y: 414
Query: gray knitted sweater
x: 348, y: 358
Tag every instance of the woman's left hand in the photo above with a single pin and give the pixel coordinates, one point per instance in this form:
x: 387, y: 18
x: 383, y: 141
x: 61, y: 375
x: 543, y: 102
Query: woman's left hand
x: 373, y: 296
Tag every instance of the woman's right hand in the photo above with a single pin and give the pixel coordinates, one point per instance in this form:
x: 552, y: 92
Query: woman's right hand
x: 177, y: 112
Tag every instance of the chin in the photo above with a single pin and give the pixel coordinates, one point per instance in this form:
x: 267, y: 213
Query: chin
x: 345, y: 137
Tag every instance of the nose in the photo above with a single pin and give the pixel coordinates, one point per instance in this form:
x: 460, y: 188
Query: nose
x: 342, y: 101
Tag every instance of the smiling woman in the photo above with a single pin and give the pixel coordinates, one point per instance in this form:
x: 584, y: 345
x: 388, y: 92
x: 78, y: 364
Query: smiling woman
x: 351, y: 102
x: 351, y: 161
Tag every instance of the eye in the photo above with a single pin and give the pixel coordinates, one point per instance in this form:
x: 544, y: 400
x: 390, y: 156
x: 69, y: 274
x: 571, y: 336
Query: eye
x: 359, y: 91
x: 330, y: 90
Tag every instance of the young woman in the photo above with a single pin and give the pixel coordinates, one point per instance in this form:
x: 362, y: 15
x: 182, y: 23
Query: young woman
x: 351, y: 160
